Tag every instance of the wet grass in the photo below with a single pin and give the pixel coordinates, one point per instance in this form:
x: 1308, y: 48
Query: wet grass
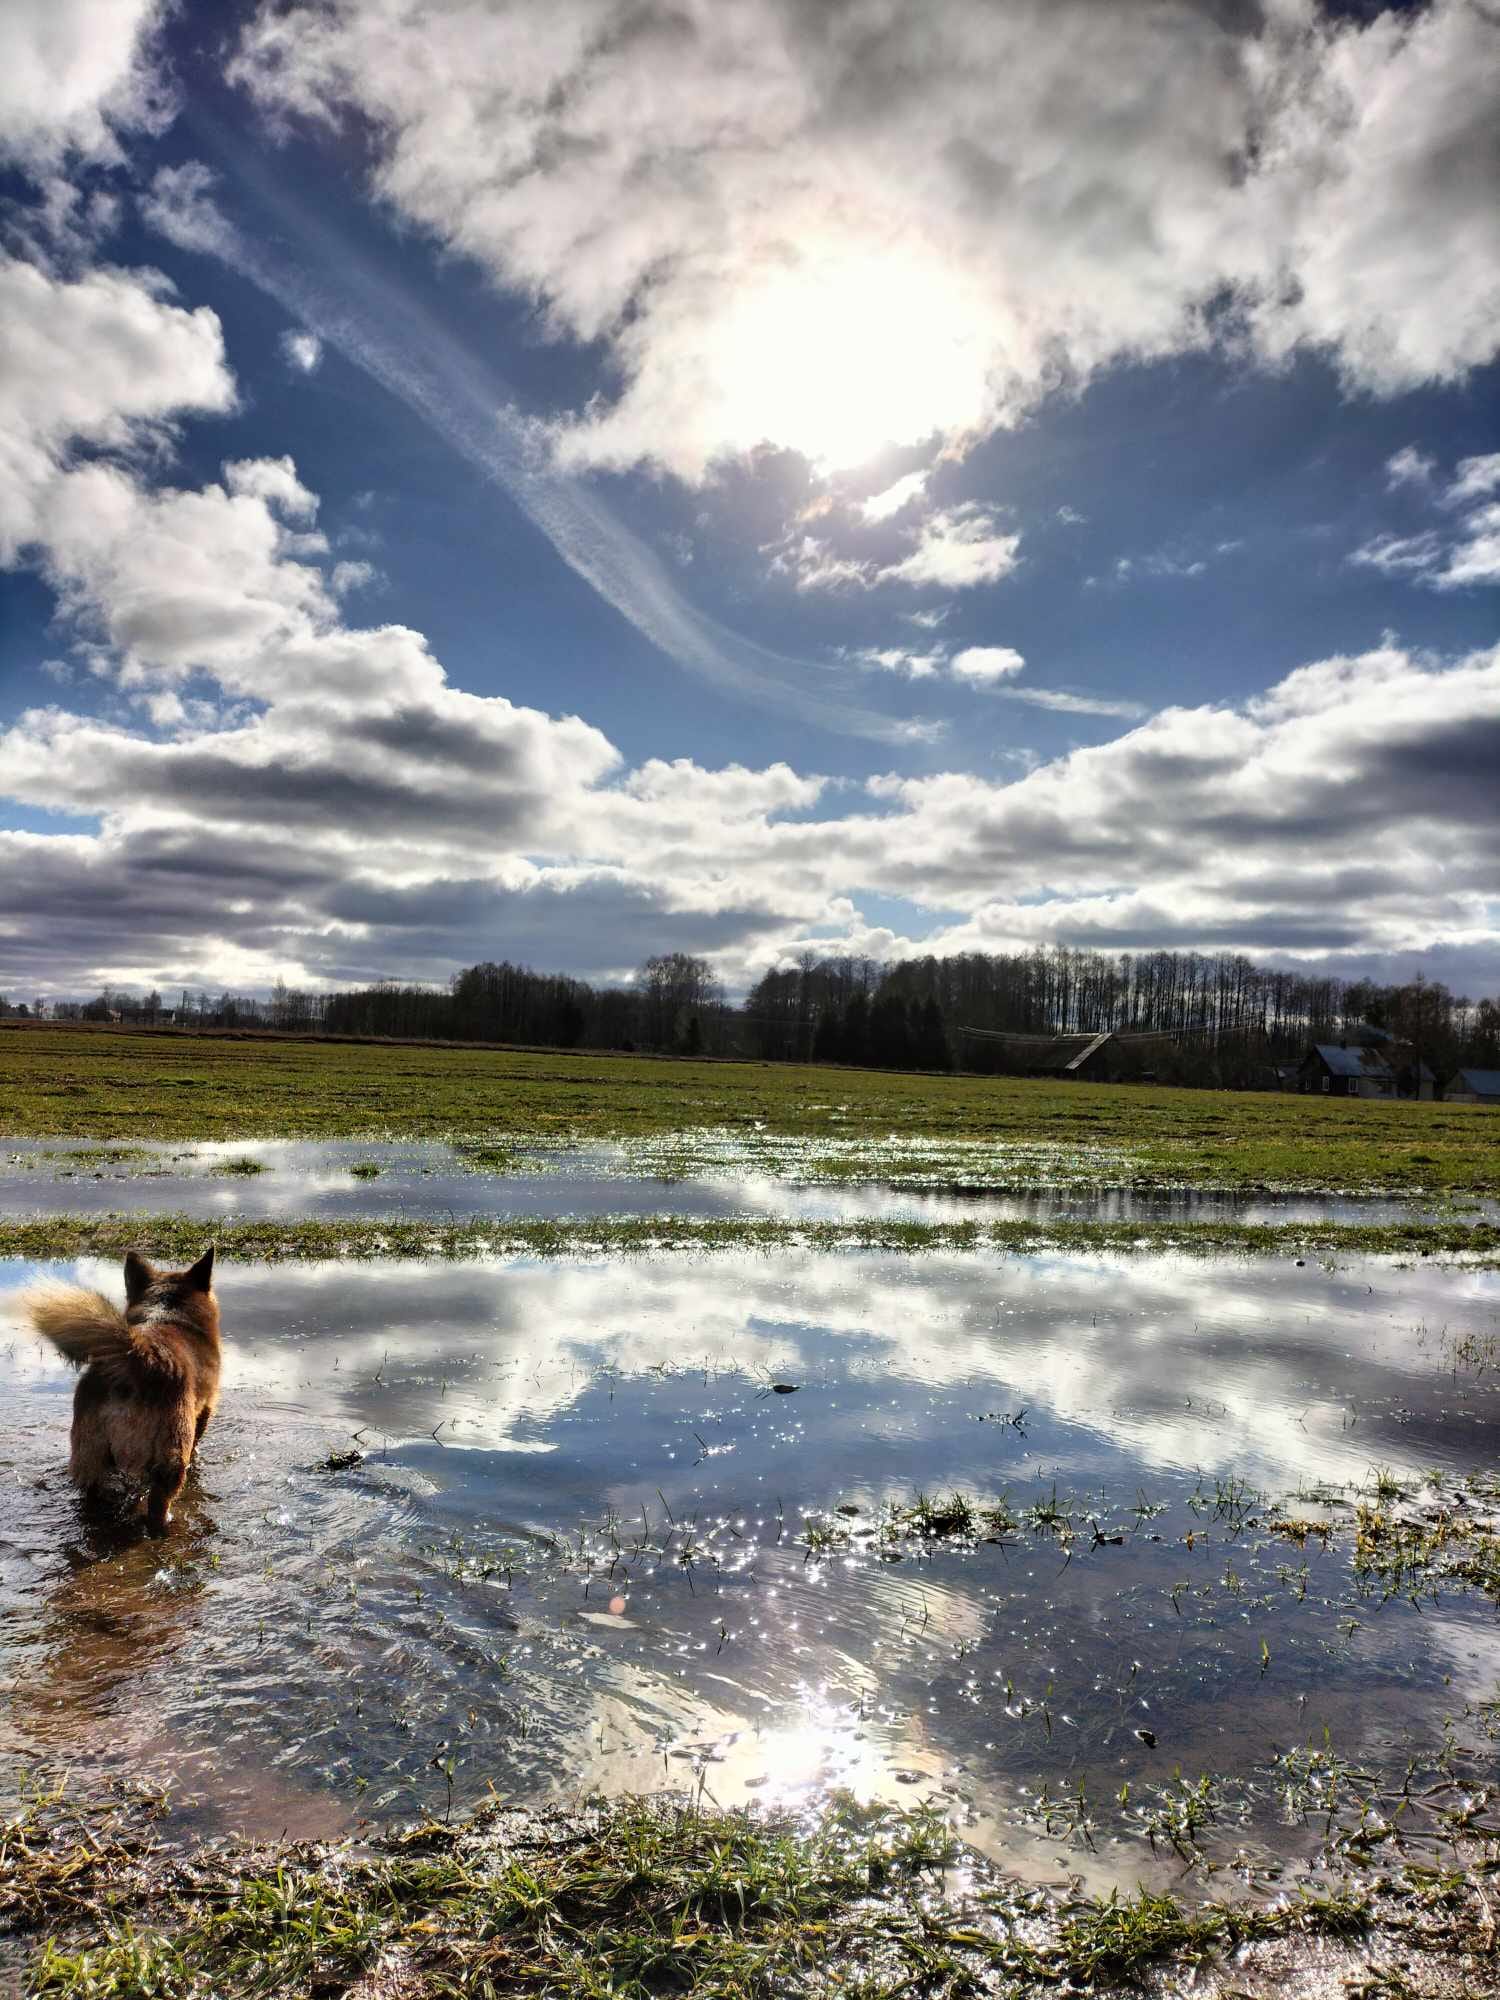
x: 642, y: 1898
x: 114, y: 1084
x: 273, y: 1241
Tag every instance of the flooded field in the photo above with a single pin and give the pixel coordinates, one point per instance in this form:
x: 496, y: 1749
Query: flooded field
x: 704, y: 1174
x: 620, y: 1523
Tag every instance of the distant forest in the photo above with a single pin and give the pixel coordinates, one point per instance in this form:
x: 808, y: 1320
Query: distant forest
x: 1219, y: 1019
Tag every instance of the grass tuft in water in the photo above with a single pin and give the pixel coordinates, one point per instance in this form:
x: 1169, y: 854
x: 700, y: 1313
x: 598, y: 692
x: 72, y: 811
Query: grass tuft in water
x: 280, y: 1241
x: 634, y: 1898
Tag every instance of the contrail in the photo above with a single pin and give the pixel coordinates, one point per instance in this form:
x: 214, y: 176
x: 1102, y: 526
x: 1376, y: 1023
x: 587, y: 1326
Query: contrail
x: 380, y: 328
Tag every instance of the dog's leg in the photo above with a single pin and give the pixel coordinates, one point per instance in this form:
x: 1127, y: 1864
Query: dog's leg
x: 91, y: 1463
x: 167, y: 1479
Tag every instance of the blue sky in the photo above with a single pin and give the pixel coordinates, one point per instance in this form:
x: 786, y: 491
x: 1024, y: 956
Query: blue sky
x: 746, y: 478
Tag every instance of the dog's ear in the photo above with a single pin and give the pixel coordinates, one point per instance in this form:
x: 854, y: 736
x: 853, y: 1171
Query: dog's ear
x: 201, y: 1277
x: 139, y: 1277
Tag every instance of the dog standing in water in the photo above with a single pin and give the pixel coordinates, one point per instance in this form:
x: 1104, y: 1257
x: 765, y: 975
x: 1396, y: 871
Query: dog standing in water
x: 150, y: 1378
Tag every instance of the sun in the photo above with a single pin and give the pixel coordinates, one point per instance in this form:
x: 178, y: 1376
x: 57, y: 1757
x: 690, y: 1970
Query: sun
x: 838, y: 355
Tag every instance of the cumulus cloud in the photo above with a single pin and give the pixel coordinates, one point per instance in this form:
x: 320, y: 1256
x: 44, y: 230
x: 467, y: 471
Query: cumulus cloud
x: 106, y: 360
x: 957, y: 548
x: 73, y: 72
x: 894, y: 499
x: 992, y: 669
x: 302, y: 351
x: 341, y: 810
x: 279, y: 791
x: 832, y: 228
x: 986, y: 664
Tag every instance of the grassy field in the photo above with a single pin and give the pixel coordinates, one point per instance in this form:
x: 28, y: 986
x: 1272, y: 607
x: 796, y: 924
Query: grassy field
x: 113, y: 1084
x: 638, y: 1899
x: 180, y: 1238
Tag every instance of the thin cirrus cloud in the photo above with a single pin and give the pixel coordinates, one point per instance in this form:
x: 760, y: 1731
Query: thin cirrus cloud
x: 389, y: 335
x: 1287, y: 180
x: 994, y: 670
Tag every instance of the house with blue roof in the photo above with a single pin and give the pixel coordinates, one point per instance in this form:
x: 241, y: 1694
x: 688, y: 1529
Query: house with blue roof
x: 1473, y: 1086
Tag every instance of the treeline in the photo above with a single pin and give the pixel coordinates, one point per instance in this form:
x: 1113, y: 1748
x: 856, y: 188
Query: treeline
x: 674, y: 1005
x: 1219, y: 1018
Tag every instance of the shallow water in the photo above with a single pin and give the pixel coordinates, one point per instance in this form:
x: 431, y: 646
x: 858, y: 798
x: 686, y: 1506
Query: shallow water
x: 573, y: 1557
x: 705, y: 1174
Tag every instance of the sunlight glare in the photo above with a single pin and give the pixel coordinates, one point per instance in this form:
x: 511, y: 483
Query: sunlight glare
x: 838, y: 357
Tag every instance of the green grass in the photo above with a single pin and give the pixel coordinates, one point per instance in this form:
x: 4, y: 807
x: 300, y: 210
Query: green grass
x: 632, y: 1899
x: 184, y: 1236
x: 119, y: 1084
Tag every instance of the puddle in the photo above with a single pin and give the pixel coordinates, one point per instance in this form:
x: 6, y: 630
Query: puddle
x: 574, y: 1555
x: 702, y: 1174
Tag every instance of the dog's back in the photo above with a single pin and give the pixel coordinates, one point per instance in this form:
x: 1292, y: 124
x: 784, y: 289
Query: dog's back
x: 150, y: 1377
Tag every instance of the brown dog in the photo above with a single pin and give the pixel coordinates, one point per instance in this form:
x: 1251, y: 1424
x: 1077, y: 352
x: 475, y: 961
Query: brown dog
x: 150, y: 1378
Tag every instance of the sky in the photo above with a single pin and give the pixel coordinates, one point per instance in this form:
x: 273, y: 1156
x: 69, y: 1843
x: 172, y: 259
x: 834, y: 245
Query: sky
x: 483, y: 479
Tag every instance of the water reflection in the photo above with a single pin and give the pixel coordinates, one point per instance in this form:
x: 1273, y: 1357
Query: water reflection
x: 575, y: 1552
x: 723, y: 1175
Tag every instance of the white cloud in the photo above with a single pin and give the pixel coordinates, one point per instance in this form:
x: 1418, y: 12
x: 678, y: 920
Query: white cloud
x: 387, y: 331
x: 1475, y: 557
x: 828, y: 231
x: 1454, y: 559
x: 956, y: 549
x: 986, y: 664
x: 180, y: 204
x: 1409, y: 467
x: 275, y: 481
x: 105, y: 360
x: 1165, y: 563
x: 899, y: 660
x: 1476, y: 477
x: 1398, y: 555
x: 349, y: 576
x: 892, y: 500
x: 341, y: 809
x: 1073, y: 704
x: 302, y: 350
x: 70, y: 72
x: 812, y: 564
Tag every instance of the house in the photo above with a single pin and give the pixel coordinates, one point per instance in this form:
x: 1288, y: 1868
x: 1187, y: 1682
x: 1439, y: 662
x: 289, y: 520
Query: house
x: 1342, y: 1069
x: 1473, y: 1086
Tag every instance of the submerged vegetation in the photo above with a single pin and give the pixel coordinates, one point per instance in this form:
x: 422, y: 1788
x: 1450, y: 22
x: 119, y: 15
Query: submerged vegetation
x: 71, y: 1082
x: 643, y: 1898
x: 275, y: 1241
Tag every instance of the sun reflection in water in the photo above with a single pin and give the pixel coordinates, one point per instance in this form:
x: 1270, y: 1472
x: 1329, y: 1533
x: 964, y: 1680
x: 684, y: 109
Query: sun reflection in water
x: 820, y: 1745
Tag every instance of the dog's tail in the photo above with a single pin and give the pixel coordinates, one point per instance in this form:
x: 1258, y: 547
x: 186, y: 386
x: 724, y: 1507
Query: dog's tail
x: 86, y: 1326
